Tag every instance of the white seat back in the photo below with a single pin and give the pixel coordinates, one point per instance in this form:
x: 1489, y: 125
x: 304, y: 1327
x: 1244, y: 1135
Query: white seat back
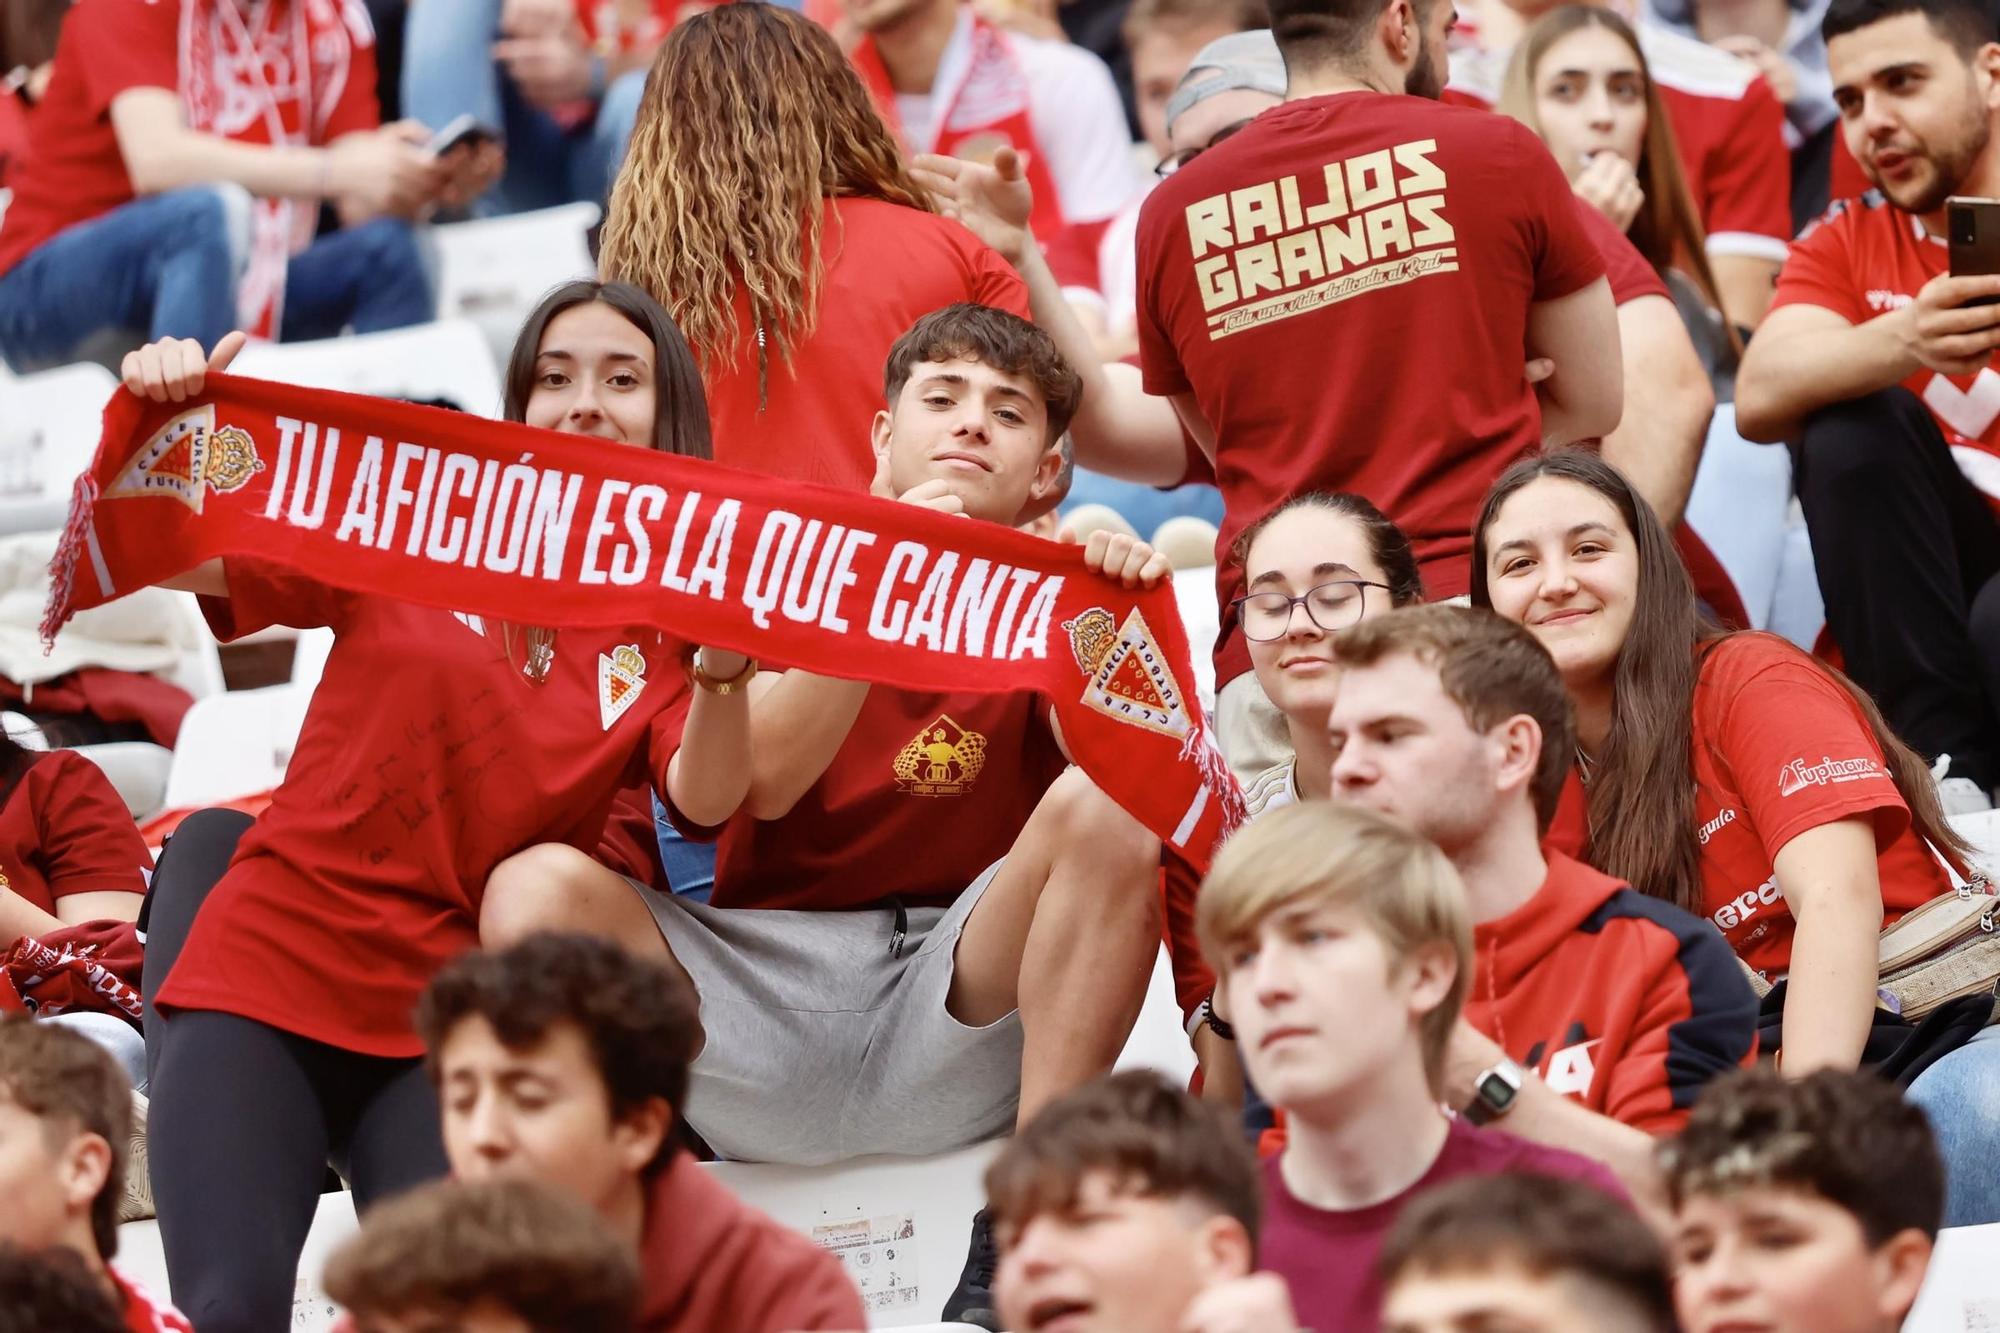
x: 137, y: 769
x: 492, y: 271
x: 231, y: 745
x: 49, y: 425
x: 447, y: 359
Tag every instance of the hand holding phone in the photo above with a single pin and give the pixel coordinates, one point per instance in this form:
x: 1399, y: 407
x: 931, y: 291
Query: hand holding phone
x: 1972, y: 235
x: 463, y: 132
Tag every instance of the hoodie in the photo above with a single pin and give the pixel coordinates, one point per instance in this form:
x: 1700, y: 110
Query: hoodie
x: 1624, y: 1002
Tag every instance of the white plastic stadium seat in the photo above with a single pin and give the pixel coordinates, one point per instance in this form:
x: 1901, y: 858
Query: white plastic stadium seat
x: 1961, y: 1292
x: 233, y: 744
x: 137, y: 769
x: 494, y: 270
x: 446, y: 359
x: 49, y: 424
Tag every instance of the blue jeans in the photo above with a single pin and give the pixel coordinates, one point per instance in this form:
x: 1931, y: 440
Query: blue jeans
x: 166, y: 265
x: 1144, y: 507
x: 690, y: 865
x: 1961, y: 1095
x: 115, y: 1035
x: 449, y: 71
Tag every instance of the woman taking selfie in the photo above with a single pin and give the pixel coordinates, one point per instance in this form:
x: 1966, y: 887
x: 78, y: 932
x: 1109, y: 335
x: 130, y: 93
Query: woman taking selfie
x: 1737, y: 777
x: 436, y: 745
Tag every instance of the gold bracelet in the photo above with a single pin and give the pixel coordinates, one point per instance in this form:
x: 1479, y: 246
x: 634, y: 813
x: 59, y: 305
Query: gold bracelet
x: 691, y: 664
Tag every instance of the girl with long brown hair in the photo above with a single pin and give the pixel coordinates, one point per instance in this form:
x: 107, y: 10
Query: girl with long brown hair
x: 1578, y: 79
x: 1731, y: 774
x: 764, y: 203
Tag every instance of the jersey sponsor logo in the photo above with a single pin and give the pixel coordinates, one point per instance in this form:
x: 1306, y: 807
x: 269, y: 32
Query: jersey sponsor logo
x: 621, y: 675
x: 1285, y: 247
x: 1127, y: 673
x: 1798, y: 775
x: 1570, y: 1070
x: 1714, y: 826
x: 943, y: 759
x: 189, y: 457
x: 1880, y: 299
x: 1740, y: 909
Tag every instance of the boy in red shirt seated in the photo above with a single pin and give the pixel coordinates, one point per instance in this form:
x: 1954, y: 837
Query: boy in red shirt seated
x: 1128, y: 1204
x: 1522, y: 1252
x: 565, y: 1060
x: 499, y: 1256
x: 1803, y: 1205
x: 1344, y: 954
x: 1596, y: 1013
x: 954, y: 924
x: 65, y: 1139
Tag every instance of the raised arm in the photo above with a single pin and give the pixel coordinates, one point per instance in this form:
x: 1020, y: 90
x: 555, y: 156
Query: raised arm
x: 1806, y: 357
x: 174, y: 370
x: 1120, y: 429
x: 1584, y: 396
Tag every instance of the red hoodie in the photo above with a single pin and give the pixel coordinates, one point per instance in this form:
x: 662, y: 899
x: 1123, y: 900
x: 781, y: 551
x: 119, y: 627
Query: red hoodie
x: 1624, y: 1002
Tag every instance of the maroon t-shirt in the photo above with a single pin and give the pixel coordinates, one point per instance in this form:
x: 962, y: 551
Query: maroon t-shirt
x: 1328, y: 1258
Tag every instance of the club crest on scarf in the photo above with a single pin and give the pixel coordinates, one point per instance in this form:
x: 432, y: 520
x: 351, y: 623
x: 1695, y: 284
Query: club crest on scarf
x: 943, y: 759
x: 1127, y: 676
x: 621, y: 674
x: 189, y: 457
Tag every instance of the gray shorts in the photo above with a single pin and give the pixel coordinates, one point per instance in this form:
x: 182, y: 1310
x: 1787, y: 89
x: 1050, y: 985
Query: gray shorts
x: 824, y: 1045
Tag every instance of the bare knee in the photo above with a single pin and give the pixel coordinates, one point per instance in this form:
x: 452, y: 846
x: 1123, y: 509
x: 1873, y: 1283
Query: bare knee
x: 539, y: 888
x: 1091, y: 827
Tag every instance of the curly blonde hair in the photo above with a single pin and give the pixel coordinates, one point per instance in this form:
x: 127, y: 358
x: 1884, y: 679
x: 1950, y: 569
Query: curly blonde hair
x: 751, y: 119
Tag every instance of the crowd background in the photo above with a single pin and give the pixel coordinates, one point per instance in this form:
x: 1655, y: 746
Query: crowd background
x: 1743, y: 719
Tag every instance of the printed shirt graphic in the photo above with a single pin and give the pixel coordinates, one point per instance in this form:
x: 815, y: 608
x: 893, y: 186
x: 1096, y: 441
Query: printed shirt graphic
x: 869, y: 829
x: 1344, y: 288
x: 1781, y: 748
x: 1866, y: 257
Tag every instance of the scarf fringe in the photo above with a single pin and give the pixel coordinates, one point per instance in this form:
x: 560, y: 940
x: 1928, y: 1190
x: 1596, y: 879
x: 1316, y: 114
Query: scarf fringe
x: 1199, y: 746
x: 62, y: 565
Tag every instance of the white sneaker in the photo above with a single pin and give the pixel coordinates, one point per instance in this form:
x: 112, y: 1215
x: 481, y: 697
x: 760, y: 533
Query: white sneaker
x: 138, y: 1201
x: 1959, y: 796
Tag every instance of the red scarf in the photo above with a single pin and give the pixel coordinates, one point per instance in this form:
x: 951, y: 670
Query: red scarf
x: 536, y: 527
x: 985, y: 111
x: 91, y: 967
x: 269, y: 73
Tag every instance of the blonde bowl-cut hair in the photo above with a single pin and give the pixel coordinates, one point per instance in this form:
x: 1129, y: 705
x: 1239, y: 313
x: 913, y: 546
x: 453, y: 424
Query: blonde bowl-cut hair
x: 1323, y: 853
x: 751, y: 119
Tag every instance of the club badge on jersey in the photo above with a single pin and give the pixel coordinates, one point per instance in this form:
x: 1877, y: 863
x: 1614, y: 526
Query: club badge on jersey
x: 621, y: 675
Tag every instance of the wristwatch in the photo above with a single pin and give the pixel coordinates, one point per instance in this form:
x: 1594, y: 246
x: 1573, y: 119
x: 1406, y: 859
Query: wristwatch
x: 697, y: 675
x: 1495, y: 1092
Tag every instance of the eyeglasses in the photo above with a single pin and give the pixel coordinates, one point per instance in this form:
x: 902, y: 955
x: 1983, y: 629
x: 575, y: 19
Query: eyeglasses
x: 1168, y: 165
x: 1267, y: 616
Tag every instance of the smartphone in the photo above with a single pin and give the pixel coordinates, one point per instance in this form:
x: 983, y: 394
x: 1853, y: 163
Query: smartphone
x: 461, y: 132
x: 1972, y: 232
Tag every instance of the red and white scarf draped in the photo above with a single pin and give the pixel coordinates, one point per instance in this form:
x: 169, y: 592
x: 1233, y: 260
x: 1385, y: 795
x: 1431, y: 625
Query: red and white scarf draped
x: 268, y: 72
x: 980, y: 105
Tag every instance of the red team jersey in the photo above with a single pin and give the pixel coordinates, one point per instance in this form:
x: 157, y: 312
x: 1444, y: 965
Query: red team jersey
x: 427, y: 758
x: 72, y: 170
x: 1866, y: 257
x: 1314, y: 286
x: 868, y: 831
x: 1780, y: 748
x: 887, y: 266
x: 63, y: 830
x: 143, y: 1311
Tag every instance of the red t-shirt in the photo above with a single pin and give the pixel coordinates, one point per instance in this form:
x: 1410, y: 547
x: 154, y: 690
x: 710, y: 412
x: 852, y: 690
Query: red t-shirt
x: 1623, y: 1002
x: 144, y: 1312
x: 886, y: 267
x: 1328, y: 1258
x: 926, y: 792
x: 1866, y: 257
x: 709, y: 1261
x: 64, y: 829
x: 72, y: 170
x: 1780, y: 748
x: 426, y: 758
x: 1399, y: 376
